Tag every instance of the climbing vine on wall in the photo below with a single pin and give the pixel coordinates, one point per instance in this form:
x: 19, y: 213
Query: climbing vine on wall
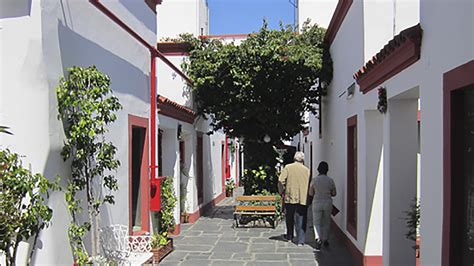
x: 86, y: 107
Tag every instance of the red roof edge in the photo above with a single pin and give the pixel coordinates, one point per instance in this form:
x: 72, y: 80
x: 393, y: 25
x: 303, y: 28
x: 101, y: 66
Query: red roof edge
x: 340, y: 13
x: 175, y: 110
x: 399, y: 53
x: 152, y: 4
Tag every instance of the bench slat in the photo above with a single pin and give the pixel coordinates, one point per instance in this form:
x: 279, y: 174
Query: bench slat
x: 256, y: 198
x: 254, y: 213
x: 255, y: 208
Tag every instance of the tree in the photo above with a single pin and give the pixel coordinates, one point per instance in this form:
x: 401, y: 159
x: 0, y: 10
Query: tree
x: 262, y: 86
x: 23, y: 209
x: 86, y: 107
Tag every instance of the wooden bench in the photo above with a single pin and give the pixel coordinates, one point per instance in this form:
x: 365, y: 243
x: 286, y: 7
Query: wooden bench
x: 256, y: 207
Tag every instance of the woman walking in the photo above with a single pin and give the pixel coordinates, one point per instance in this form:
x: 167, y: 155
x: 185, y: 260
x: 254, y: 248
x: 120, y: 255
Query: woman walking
x: 322, y: 187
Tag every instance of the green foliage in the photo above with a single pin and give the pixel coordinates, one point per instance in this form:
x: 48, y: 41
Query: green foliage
x: 4, y: 129
x: 262, y: 86
x: 229, y: 185
x: 86, y: 107
x: 23, y: 209
x: 413, y: 221
x: 260, y: 180
x: 167, y: 221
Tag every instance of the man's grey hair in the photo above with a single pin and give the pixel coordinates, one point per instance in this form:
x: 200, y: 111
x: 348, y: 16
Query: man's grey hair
x: 299, y: 156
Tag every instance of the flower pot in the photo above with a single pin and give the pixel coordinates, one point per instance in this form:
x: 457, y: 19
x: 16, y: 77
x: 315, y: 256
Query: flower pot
x: 161, y: 252
x: 229, y: 193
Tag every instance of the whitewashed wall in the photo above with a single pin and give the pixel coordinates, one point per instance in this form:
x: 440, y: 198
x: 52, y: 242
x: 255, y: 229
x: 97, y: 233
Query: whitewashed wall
x: 448, y: 41
x: 317, y: 11
x: 38, y: 44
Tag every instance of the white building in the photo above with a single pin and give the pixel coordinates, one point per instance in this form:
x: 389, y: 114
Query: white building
x: 40, y: 39
x: 421, y: 52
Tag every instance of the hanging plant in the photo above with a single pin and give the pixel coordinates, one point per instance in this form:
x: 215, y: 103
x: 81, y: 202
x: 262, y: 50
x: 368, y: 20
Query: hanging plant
x: 382, y: 104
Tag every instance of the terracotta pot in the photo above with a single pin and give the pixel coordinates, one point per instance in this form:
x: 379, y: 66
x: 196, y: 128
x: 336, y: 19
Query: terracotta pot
x: 229, y: 193
x: 161, y: 252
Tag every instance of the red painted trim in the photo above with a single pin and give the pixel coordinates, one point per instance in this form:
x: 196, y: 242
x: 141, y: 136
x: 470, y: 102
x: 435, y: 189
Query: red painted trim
x: 175, y: 110
x: 152, y: 4
x: 135, y: 35
x: 453, y: 80
x: 373, y: 260
x: 176, y: 231
x: 140, y: 122
x: 340, y: 13
x: 227, y: 166
x: 173, y: 48
x: 401, y: 52
x: 226, y: 36
x: 352, y: 175
x: 153, y: 166
x: 357, y: 255
x: 223, y: 164
x: 237, y: 180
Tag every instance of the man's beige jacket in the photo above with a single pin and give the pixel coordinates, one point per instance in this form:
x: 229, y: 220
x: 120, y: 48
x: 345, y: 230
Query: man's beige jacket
x: 294, y: 180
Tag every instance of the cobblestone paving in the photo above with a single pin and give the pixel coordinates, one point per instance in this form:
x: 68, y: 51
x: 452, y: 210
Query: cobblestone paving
x: 213, y: 240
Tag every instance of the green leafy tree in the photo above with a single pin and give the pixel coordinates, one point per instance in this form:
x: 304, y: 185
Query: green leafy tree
x: 23, y: 209
x: 86, y: 107
x: 262, y: 86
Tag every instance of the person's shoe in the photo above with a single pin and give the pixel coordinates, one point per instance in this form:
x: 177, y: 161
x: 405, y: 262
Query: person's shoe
x: 286, y: 238
x: 326, y: 243
x: 300, y: 245
x: 317, y: 247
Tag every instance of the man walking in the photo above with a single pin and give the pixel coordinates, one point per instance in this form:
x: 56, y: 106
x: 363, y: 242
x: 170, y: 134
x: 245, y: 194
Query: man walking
x: 293, y: 181
x: 323, y: 189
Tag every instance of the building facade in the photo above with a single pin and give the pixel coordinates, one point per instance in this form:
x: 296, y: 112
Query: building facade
x: 157, y: 133
x: 387, y: 126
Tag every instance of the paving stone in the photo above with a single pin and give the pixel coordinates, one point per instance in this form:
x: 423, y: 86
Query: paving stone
x: 305, y: 263
x: 198, y: 256
x: 243, y: 256
x: 198, y: 240
x: 195, y: 263
x: 221, y: 256
x: 244, y: 239
x: 293, y: 249
x: 258, y: 240
x: 195, y: 248
x: 234, y: 247
x: 268, y: 263
x: 270, y: 256
x: 212, y: 240
x: 302, y: 256
x: 262, y: 247
x: 228, y: 263
x: 228, y: 239
x: 176, y: 256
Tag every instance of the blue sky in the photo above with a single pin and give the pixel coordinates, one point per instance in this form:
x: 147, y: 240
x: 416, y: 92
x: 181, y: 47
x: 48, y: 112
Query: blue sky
x: 246, y: 16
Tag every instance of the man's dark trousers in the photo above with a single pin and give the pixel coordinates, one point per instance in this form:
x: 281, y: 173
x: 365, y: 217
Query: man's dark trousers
x: 294, y: 219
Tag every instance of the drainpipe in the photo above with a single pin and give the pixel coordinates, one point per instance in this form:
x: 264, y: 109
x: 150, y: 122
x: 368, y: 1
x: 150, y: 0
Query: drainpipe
x: 153, y: 53
x: 227, y: 166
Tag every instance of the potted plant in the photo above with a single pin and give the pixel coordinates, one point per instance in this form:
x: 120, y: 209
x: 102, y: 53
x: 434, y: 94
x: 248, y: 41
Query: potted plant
x: 184, y: 215
x: 161, y: 243
x: 229, y: 187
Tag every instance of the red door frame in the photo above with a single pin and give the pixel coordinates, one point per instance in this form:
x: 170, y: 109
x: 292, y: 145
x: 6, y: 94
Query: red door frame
x: 352, y: 176
x: 223, y: 164
x: 139, y: 122
x: 200, y: 168
x: 453, y: 80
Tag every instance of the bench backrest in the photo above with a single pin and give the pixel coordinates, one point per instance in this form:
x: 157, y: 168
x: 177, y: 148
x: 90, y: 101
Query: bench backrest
x: 256, y: 198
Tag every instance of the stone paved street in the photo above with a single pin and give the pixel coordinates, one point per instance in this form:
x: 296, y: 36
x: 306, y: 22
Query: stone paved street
x: 213, y: 240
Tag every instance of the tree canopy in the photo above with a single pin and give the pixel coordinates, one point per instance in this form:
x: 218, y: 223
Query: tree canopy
x: 262, y: 86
